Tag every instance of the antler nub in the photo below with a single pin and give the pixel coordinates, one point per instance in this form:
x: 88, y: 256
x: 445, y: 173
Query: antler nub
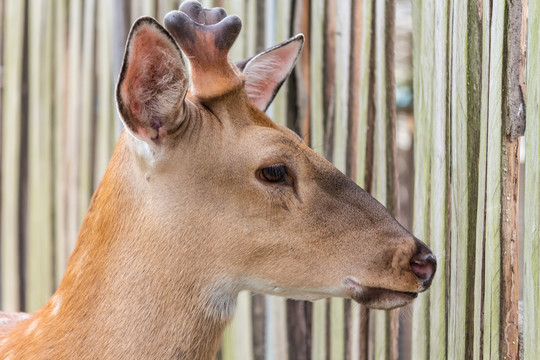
x: 206, y: 36
x: 201, y: 15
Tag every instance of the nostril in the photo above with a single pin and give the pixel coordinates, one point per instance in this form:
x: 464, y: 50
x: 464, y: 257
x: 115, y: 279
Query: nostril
x: 424, y: 267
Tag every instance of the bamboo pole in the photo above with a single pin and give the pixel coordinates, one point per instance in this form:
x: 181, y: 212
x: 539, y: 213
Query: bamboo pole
x: 513, y: 122
x: 39, y: 283
x: 531, y: 283
x: 87, y: 117
x: 480, y: 262
x: 61, y: 242
x: 464, y: 128
x: 492, y: 301
x: 14, y: 25
x: 317, y: 82
x: 104, y: 139
x: 423, y: 16
x: 439, y: 181
x: 73, y: 124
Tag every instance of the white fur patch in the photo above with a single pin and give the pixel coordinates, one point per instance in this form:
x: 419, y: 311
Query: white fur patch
x: 32, y: 327
x: 222, y: 300
x: 56, y: 302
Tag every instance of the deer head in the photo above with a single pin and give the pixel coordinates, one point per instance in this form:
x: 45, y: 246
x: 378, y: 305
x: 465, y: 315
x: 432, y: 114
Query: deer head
x: 266, y: 213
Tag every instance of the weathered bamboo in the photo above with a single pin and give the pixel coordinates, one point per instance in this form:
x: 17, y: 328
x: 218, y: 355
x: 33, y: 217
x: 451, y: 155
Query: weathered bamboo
x: 72, y: 125
x: 329, y: 69
x: 39, y: 284
x: 464, y: 128
x: 423, y: 17
x: 87, y: 118
x: 439, y: 181
x: 492, y: 301
x: 513, y: 122
x: 317, y: 81
x: 104, y: 138
x: 11, y: 132
x: 531, y: 283
x: 61, y: 252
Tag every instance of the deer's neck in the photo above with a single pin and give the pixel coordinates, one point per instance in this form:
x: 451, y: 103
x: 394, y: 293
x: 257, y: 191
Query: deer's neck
x: 118, y: 299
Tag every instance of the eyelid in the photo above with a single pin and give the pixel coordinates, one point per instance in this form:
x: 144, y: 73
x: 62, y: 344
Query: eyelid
x: 274, y: 174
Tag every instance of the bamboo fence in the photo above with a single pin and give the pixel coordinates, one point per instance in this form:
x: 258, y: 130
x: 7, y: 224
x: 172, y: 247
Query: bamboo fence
x: 471, y: 75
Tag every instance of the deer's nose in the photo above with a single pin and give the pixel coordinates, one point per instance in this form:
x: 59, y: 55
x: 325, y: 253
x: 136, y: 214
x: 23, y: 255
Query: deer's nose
x: 424, y: 264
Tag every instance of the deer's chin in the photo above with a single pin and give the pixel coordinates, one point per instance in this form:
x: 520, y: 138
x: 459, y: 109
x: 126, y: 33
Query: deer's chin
x: 378, y: 298
x: 383, y: 299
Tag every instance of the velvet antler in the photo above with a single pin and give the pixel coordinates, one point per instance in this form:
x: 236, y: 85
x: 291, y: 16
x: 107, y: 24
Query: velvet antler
x: 206, y: 36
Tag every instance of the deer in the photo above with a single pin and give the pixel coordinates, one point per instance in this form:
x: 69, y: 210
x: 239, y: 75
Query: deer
x: 205, y: 196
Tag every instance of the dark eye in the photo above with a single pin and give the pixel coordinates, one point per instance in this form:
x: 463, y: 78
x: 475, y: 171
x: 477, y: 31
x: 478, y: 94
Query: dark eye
x: 273, y: 174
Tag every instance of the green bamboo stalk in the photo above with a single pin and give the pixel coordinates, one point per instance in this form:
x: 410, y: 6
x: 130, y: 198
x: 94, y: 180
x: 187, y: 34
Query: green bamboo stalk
x: 73, y: 123
x: 337, y: 329
x: 13, y: 30
x: 492, y: 280
x: 438, y: 184
x: 59, y: 133
x: 531, y: 283
x: 423, y: 16
x: 105, y: 138
x: 465, y: 124
x: 316, y: 74
x: 479, y: 283
x: 39, y: 252
x: 343, y: 30
x: 87, y: 109
x: 364, y: 91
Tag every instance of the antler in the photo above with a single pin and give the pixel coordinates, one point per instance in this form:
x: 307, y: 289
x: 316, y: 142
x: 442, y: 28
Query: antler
x: 206, y: 36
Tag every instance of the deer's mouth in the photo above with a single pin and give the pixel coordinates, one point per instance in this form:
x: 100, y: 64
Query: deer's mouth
x: 378, y: 298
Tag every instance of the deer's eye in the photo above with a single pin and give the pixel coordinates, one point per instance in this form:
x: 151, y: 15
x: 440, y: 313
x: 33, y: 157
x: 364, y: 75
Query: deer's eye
x: 273, y: 174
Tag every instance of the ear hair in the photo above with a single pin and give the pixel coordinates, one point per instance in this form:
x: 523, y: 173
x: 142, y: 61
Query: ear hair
x: 266, y: 72
x: 153, y: 82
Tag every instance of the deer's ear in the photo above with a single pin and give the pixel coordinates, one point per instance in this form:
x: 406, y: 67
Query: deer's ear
x: 267, y: 71
x: 153, y: 83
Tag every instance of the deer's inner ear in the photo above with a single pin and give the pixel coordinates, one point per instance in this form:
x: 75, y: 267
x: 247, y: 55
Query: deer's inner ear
x: 267, y: 71
x: 153, y: 82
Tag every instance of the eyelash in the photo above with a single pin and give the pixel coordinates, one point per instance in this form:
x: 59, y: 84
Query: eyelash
x: 275, y: 174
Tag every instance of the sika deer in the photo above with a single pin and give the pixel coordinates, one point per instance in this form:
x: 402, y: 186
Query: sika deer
x: 204, y: 197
